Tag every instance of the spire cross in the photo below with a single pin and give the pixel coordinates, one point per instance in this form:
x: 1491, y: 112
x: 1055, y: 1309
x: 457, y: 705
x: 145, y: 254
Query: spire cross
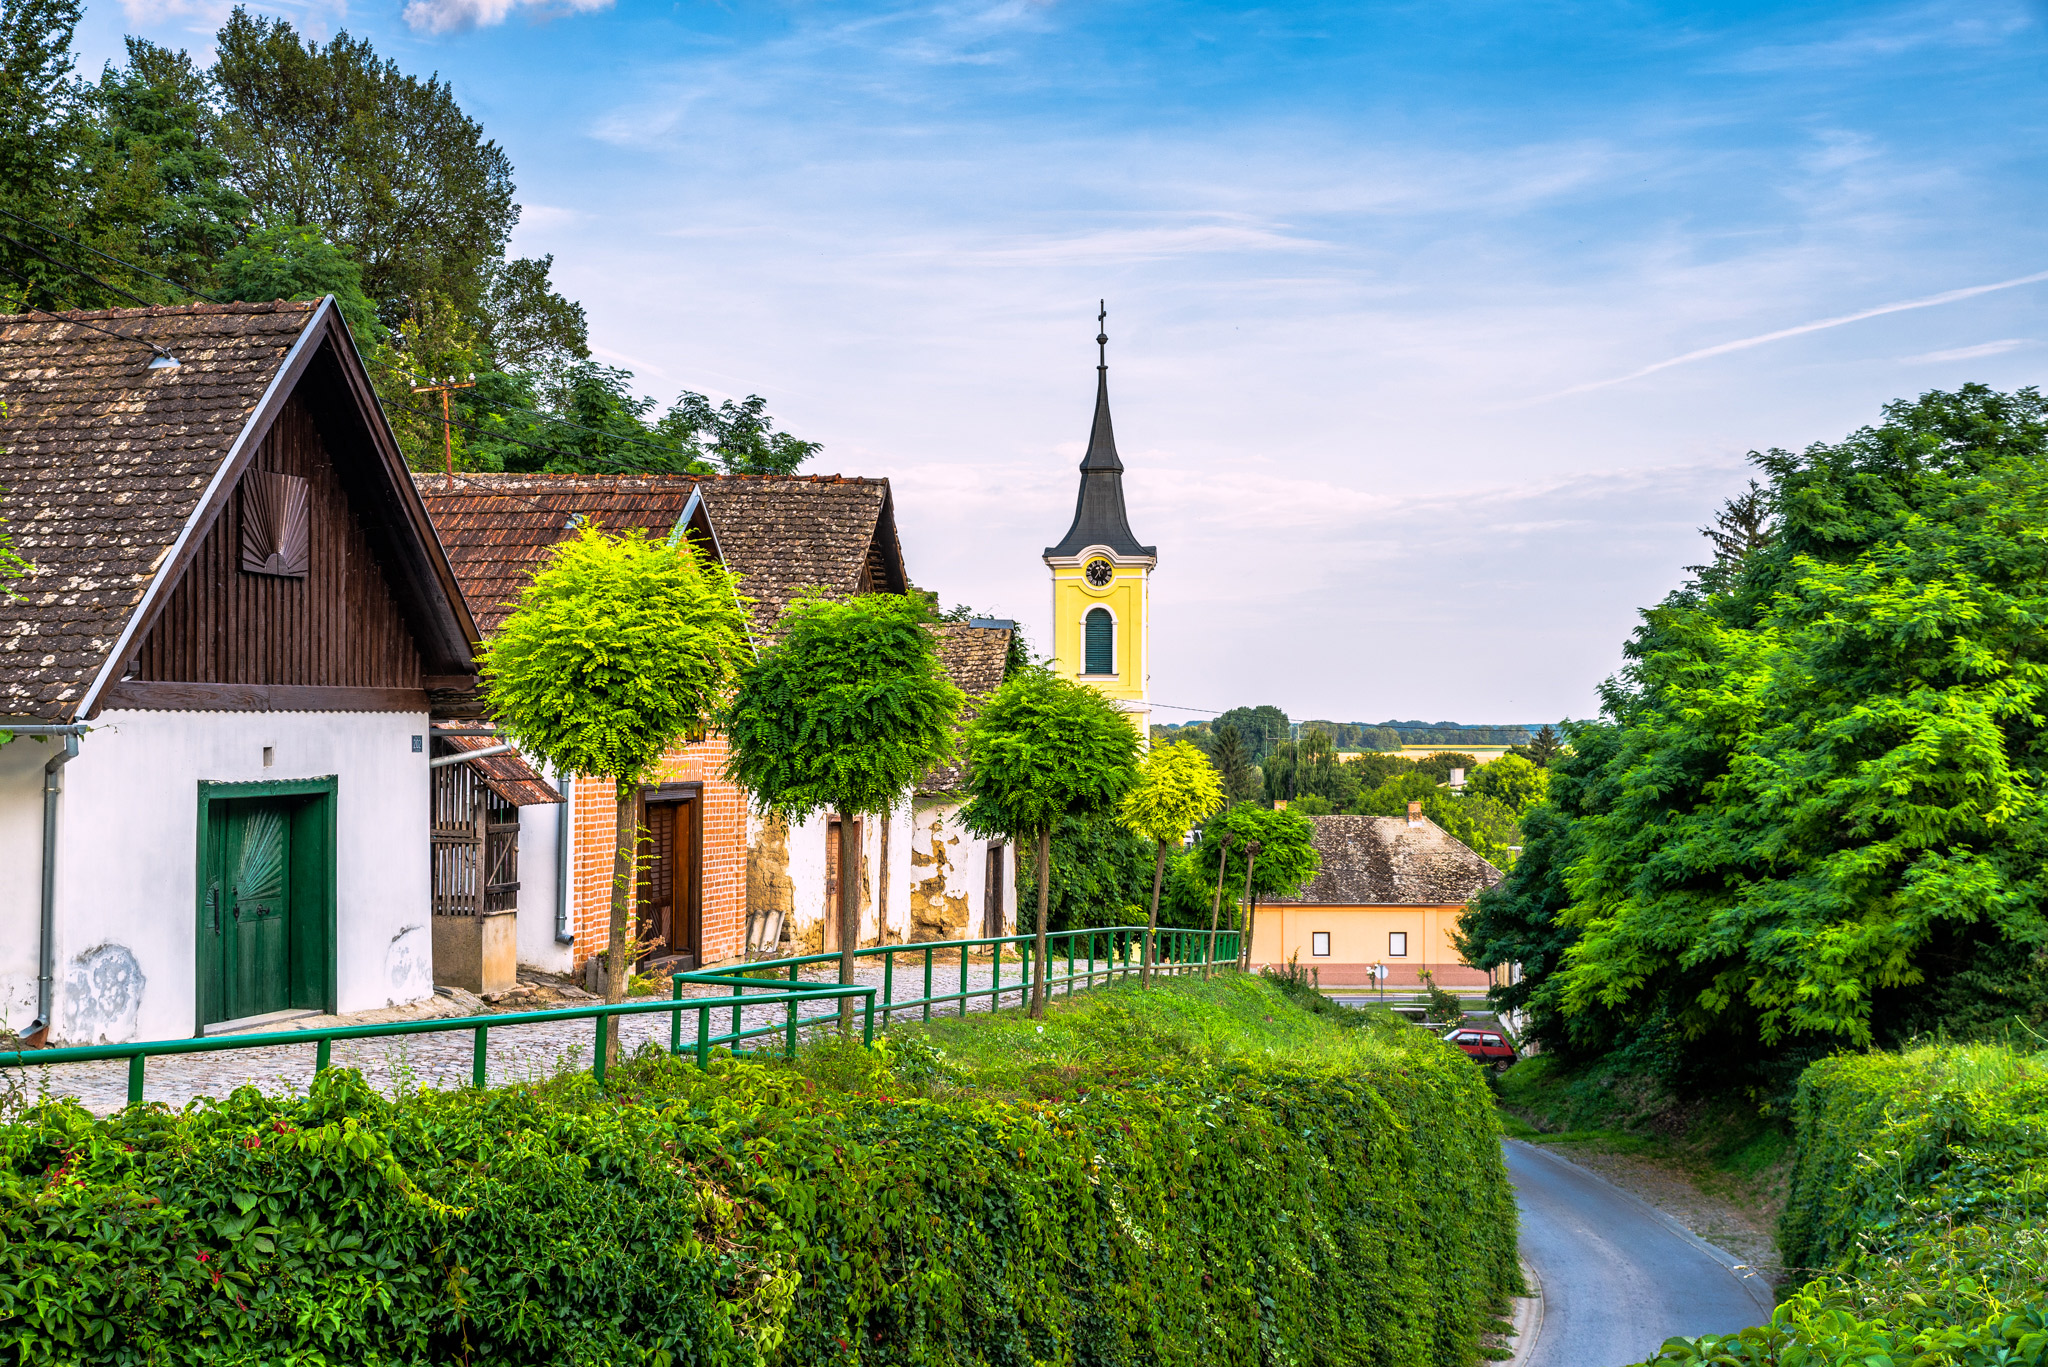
x: 1102, y: 337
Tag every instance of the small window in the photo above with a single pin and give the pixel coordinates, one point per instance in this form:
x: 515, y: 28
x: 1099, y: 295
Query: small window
x: 1319, y: 944
x: 1397, y: 944
x: 1099, y: 657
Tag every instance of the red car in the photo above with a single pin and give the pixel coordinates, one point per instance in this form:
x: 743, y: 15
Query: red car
x: 1483, y: 1044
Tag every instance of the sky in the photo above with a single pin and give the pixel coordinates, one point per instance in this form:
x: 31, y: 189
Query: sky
x: 1437, y: 330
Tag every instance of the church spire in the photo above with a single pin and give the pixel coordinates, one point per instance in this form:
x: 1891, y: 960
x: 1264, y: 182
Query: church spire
x: 1099, y: 517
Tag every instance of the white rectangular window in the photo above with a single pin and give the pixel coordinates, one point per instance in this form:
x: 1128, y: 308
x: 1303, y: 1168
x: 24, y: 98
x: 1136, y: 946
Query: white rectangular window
x: 1319, y: 944
x: 1397, y: 944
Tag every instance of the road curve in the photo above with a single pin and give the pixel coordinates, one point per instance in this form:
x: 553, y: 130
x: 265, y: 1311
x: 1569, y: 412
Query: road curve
x: 1617, y: 1277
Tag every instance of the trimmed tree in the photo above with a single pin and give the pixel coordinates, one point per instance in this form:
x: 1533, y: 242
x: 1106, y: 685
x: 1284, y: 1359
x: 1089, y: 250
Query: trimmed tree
x: 1042, y: 748
x: 1284, y: 859
x: 1177, y: 787
x: 843, y: 713
x: 621, y: 647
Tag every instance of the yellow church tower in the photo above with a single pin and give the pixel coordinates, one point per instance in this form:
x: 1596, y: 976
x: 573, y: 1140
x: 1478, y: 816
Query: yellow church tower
x: 1101, y: 576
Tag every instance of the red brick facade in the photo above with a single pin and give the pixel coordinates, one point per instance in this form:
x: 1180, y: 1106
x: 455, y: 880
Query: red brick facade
x: 723, y: 855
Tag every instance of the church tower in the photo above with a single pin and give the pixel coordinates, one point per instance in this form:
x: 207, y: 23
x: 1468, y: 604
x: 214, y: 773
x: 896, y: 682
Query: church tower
x: 1101, y: 576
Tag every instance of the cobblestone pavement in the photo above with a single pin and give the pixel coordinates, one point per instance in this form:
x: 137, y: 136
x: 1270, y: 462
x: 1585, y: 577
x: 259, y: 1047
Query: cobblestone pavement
x: 531, y: 1052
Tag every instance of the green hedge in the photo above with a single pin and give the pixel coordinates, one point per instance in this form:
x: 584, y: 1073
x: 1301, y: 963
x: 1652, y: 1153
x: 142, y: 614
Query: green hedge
x: 1201, y: 1174
x: 1919, y: 1189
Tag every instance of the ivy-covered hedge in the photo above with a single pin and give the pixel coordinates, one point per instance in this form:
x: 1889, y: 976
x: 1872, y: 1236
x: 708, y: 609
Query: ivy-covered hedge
x: 1201, y: 1174
x: 1919, y: 1190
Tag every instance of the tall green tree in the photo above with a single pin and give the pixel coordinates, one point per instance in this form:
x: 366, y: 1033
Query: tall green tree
x: 1042, y: 749
x: 620, y: 648
x: 44, y: 133
x: 1233, y: 761
x: 296, y: 262
x: 386, y: 165
x: 1817, y: 788
x: 1286, y: 861
x: 1177, y: 789
x: 1261, y: 728
x: 1512, y: 781
x: 740, y: 436
x: 846, y: 710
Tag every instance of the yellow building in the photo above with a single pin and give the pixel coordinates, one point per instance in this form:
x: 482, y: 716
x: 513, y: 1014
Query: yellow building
x: 1390, y: 892
x: 1101, y: 576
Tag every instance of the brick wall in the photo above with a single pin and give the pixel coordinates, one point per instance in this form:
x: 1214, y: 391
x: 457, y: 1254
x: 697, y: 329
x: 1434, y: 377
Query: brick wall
x: 723, y: 855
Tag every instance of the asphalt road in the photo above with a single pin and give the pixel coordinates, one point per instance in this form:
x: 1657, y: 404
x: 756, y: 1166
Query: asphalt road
x: 1618, y: 1278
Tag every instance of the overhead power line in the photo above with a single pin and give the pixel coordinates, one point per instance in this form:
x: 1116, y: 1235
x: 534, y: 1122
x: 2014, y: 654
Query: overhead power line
x: 125, y: 265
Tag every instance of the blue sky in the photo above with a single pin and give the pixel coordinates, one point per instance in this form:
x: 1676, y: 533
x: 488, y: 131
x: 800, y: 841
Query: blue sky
x: 1392, y: 288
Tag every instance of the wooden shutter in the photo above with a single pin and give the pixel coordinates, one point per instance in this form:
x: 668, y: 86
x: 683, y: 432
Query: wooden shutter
x: 1100, y: 654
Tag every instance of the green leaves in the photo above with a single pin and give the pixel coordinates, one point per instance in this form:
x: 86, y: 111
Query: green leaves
x: 619, y: 648
x: 1042, y: 747
x: 846, y: 710
x: 1177, y: 789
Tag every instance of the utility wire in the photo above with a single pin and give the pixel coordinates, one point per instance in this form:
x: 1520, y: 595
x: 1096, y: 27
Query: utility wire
x: 77, y: 270
x: 127, y: 265
x: 80, y: 322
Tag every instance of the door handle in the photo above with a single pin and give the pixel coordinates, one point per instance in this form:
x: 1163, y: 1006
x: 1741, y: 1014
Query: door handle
x: 235, y: 905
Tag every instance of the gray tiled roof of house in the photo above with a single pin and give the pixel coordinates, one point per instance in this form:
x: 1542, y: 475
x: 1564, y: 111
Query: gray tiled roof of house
x: 1384, y: 861
x: 103, y: 461
x: 974, y: 657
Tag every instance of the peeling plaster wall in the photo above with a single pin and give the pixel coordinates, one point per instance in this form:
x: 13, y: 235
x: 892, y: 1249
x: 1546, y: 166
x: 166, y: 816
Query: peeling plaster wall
x: 126, y: 952
x: 21, y: 865
x: 949, y: 881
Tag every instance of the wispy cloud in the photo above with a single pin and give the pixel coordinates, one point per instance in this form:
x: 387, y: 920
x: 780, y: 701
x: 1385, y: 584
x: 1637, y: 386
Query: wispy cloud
x: 1800, y: 330
x: 452, y: 16
x: 1969, y: 353
x: 1878, y: 38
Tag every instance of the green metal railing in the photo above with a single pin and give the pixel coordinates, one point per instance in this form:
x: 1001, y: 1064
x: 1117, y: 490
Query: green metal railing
x: 1121, y: 955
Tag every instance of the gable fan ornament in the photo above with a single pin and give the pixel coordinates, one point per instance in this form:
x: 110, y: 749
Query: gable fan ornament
x: 277, y: 536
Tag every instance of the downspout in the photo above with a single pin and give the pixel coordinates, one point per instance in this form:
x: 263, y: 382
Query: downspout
x: 46, y: 928
x: 564, y: 830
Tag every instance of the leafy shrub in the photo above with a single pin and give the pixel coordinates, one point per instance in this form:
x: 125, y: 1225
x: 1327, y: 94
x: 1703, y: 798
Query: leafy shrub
x: 1918, y: 1188
x: 1197, y: 1173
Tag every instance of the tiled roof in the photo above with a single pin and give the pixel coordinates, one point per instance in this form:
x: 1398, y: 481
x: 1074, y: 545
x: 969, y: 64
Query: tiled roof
x: 974, y: 657
x: 507, y: 773
x: 497, y: 528
x: 103, y: 460
x: 779, y: 535
x: 1383, y: 861
x: 785, y: 535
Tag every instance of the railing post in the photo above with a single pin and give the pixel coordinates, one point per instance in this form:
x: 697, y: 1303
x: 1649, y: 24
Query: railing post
x: 738, y: 1021
x: 867, y: 1034
x: 479, y: 1059
x: 1070, y: 963
x: 927, y: 983
x: 603, y: 1029
x: 323, y: 1056
x: 703, y: 1037
x: 789, y: 1048
x: 675, y: 1018
x: 135, y: 1066
x: 995, y: 976
x: 1091, y: 958
x: 963, y: 979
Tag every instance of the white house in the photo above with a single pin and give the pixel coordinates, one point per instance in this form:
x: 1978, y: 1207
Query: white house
x: 215, y: 805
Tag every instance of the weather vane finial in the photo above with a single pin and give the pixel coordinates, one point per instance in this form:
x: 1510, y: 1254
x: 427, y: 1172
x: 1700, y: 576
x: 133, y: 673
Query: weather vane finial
x: 1102, y: 336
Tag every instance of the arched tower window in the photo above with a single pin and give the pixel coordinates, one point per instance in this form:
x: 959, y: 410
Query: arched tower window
x: 1099, y: 634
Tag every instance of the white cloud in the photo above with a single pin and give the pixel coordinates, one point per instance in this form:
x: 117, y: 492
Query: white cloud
x: 451, y: 16
x: 1969, y: 353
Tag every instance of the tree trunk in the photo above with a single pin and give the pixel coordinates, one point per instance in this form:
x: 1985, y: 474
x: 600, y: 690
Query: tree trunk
x: 1216, y: 909
x: 1152, y: 921
x: 849, y: 912
x: 618, y: 967
x: 1244, y: 950
x: 1038, y: 952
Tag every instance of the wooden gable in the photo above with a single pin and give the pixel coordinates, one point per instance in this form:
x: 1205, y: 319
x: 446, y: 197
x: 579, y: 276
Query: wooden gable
x: 293, y: 599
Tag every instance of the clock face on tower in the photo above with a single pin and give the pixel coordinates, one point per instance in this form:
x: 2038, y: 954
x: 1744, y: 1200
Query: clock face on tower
x: 1099, y: 572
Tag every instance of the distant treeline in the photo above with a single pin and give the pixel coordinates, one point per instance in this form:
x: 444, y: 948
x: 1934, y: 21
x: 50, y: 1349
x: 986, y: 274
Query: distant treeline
x: 1264, y: 727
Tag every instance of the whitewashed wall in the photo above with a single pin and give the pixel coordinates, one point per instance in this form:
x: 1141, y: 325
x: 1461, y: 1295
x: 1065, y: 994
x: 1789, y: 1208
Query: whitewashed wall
x: 21, y: 862
x: 126, y: 957
x: 539, y: 888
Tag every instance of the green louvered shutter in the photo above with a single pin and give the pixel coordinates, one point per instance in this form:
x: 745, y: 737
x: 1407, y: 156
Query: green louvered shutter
x: 1101, y: 642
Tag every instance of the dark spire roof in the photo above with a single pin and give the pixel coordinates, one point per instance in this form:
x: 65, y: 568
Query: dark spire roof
x: 1099, y: 518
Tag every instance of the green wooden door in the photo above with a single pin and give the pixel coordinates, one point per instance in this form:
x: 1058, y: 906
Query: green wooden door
x: 247, y: 928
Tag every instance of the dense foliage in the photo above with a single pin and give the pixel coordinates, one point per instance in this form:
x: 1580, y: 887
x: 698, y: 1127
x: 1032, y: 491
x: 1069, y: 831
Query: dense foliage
x: 1176, y: 791
x: 1919, y: 1190
x: 1813, y: 810
x: 1197, y: 1174
x: 291, y: 168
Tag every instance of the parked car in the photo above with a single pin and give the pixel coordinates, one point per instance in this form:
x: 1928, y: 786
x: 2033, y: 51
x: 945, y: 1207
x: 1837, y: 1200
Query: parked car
x: 1483, y: 1044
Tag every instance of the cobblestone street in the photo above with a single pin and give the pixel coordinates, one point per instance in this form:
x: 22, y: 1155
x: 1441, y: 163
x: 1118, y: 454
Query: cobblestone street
x: 517, y: 1053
